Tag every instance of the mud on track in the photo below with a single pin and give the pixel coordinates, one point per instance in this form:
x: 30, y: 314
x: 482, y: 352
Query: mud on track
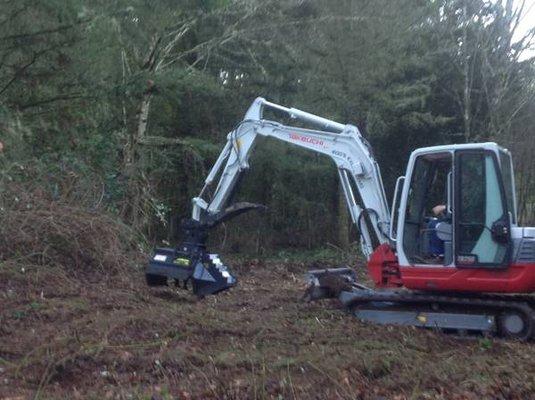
x: 65, y: 335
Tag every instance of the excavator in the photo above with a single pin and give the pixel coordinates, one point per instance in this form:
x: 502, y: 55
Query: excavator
x: 448, y: 254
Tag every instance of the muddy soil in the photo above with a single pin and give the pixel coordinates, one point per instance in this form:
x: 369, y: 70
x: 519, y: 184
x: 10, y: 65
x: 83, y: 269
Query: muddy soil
x: 66, y: 335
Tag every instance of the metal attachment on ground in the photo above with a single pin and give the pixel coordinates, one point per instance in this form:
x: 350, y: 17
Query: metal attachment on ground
x: 329, y: 282
x: 204, y: 271
x: 190, y: 263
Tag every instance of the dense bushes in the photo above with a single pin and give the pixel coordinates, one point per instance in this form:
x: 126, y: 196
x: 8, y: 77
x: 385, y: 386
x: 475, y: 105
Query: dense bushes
x: 123, y: 107
x: 37, y: 229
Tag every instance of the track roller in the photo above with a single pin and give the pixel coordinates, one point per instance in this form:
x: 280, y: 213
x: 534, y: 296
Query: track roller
x: 515, y: 324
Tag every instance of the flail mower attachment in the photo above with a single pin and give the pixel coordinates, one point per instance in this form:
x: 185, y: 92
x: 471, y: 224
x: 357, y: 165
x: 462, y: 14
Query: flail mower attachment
x: 191, y: 263
x: 205, y: 271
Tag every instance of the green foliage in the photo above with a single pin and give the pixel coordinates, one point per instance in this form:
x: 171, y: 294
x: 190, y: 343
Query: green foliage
x: 75, y: 76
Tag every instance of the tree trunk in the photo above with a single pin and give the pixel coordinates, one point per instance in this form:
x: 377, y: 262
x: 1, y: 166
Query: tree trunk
x: 135, y: 209
x: 466, y: 72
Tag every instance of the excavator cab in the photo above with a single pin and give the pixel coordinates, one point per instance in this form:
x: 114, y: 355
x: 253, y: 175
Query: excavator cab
x: 457, y: 208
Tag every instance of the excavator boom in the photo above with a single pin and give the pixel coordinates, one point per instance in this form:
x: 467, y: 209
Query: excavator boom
x: 358, y: 171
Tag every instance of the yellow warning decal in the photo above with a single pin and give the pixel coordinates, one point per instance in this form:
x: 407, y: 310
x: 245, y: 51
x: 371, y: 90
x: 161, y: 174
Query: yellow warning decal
x: 422, y: 318
x: 181, y: 261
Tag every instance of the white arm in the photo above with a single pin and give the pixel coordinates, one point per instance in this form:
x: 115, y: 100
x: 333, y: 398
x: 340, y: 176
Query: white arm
x: 356, y: 165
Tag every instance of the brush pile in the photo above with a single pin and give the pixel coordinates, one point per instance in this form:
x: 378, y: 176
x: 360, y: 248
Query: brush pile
x: 38, y: 229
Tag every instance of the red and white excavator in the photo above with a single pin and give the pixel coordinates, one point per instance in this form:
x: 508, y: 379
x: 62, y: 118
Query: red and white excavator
x: 448, y: 255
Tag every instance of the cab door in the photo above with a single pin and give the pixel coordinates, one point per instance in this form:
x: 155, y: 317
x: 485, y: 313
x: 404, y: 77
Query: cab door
x: 427, y: 188
x: 481, y: 219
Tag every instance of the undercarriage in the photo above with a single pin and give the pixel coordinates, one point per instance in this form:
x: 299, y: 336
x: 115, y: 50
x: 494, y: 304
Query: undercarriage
x: 509, y: 316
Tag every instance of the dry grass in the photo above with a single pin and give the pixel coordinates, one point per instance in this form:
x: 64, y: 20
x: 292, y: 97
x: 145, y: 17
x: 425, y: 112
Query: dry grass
x: 38, y: 230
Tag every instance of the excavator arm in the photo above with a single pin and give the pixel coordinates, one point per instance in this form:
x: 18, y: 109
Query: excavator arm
x: 358, y: 172
x: 357, y: 169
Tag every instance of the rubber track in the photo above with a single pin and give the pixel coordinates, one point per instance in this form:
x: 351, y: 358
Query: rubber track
x: 495, y: 302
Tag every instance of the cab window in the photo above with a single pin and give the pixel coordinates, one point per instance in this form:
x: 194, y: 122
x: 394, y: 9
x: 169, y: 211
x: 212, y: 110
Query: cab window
x: 480, y: 205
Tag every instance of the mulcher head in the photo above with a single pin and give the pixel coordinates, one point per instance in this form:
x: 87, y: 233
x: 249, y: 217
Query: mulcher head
x: 204, y: 271
x: 190, y: 263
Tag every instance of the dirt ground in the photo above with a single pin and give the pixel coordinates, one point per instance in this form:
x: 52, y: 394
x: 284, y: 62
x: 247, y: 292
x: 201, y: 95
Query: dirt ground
x: 96, y: 336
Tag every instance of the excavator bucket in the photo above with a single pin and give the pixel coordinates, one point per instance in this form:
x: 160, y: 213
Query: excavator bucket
x: 329, y: 282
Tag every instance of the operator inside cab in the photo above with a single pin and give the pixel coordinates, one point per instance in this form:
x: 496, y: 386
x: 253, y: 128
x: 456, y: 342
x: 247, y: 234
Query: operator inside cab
x: 426, y: 211
x: 436, y: 245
